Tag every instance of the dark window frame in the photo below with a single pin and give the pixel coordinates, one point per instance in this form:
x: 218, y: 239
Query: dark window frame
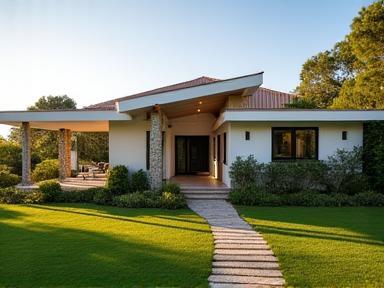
x: 225, y: 148
x: 293, y: 141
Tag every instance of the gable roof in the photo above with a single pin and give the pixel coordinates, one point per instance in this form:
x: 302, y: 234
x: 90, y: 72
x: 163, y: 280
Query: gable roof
x: 110, y: 105
x: 262, y: 98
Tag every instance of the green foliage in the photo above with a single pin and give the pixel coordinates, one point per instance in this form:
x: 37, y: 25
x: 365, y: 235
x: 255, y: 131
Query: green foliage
x: 319, y: 80
x: 11, y: 195
x: 301, y: 103
x: 297, y: 176
x: 169, y: 200
x: 171, y: 187
x: 8, y: 179
x: 93, y: 146
x: 51, y: 190
x: 46, y: 170
x: 81, y: 196
x: 145, y: 199
x: 373, y: 154
x: 118, y: 180
x: 53, y: 103
x: 351, y: 75
x: 139, y: 181
x: 245, y: 172
x: 339, y: 181
x: 254, y: 195
x: 102, y: 196
x: 10, y: 156
x: 344, y: 172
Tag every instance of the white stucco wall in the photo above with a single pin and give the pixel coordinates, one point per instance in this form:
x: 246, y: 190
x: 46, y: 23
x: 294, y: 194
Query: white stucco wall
x: 260, y: 143
x: 127, y: 143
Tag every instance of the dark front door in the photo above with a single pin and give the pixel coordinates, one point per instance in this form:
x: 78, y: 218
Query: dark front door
x: 192, y: 154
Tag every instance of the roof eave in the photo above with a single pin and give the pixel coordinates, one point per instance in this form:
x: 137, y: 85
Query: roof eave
x: 228, y: 85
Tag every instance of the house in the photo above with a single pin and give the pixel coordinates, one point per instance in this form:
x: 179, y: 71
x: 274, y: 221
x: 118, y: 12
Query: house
x: 199, y: 127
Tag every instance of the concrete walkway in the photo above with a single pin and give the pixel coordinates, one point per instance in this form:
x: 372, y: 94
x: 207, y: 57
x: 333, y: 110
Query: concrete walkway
x: 242, y: 258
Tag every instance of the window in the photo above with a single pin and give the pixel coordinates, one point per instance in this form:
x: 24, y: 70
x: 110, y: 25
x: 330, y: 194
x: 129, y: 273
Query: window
x: 344, y: 135
x: 218, y: 148
x: 294, y: 143
x: 225, y: 148
x: 247, y: 135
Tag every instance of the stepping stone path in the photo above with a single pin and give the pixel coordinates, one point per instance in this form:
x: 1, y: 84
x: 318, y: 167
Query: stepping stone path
x: 242, y: 258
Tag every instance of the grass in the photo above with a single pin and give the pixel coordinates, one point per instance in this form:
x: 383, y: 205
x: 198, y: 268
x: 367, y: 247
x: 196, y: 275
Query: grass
x: 81, y: 245
x: 324, y: 247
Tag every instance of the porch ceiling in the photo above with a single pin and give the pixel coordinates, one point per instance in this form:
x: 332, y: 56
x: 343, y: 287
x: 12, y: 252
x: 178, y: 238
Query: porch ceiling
x: 211, y: 104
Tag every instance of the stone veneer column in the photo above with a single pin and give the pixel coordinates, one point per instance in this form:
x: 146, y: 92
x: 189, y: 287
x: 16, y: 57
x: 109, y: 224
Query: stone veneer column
x: 64, y: 153
x: 155, y: 150
x: 26, y: 153
x: 68, y: 146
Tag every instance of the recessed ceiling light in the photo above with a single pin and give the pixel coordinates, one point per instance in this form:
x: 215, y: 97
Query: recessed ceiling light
x: 200, y: 102
x: 198, y: 110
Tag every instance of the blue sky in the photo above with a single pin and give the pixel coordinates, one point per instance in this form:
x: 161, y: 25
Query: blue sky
x: 98, y: 50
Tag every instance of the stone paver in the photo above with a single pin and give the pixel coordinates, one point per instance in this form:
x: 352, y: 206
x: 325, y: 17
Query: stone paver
x: 242, y: 258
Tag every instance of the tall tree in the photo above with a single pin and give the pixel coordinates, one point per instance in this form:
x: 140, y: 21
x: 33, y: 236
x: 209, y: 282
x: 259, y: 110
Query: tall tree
x: 91, y: 146
x: 351, y: 75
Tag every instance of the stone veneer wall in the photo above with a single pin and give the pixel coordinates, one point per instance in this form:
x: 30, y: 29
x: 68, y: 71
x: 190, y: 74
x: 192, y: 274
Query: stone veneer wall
x: 26, y: 153
x: 64, y: 153
x: 155, y: 151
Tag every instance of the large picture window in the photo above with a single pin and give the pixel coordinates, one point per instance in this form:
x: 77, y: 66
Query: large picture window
x: 294, y: 143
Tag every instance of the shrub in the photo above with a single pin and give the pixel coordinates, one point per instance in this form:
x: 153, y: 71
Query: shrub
x: 245, y: 172
x: 80, y: 196
x: 33, y: 197
x: 169, y: 200
x: 4, y: 168
x: 11, y: 195
x: 46, y: 170
x: 102, y: 196
x: 118, y: 180
x: 344, y: 173
x: 294, y: 177
x: 146, y: 199
x: 171, y: 187
x: 139, y: 181
x: 51, y: 190
x: 369, y: 198
x: 8, y: 179
x: 255, y: 196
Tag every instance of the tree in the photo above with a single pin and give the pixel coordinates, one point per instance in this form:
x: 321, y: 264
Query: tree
x: 91, y: 146
x: 53, y: 103
x: 351, y: 75
x: 301, y: 103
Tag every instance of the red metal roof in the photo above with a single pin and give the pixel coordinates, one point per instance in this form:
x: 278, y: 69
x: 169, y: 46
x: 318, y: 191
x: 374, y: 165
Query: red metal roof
x: 262, y: 98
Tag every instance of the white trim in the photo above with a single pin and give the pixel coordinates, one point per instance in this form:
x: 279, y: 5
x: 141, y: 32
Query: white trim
x: 299, y: 116
x: 254, y: 80
x: 48, y: 116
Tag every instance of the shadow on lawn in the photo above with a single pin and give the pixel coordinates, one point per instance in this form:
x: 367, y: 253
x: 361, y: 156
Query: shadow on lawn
x: 111, y: 214
x: 366, y: 221
x: 36, y: 254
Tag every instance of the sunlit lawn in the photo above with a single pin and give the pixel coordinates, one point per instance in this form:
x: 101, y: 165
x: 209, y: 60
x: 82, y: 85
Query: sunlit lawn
x: 324, y: 247
x: 87, y: 245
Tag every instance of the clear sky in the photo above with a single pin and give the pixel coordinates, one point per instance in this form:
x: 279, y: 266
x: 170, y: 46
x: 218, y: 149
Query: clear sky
x: 95, y: 50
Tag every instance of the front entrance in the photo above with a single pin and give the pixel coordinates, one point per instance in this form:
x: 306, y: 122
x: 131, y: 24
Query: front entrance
x: 192, y: 154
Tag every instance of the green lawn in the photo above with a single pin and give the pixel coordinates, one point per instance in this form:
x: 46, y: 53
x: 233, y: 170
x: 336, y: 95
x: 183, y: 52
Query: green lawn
x: 324, y: 247
x: 79, y: 245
